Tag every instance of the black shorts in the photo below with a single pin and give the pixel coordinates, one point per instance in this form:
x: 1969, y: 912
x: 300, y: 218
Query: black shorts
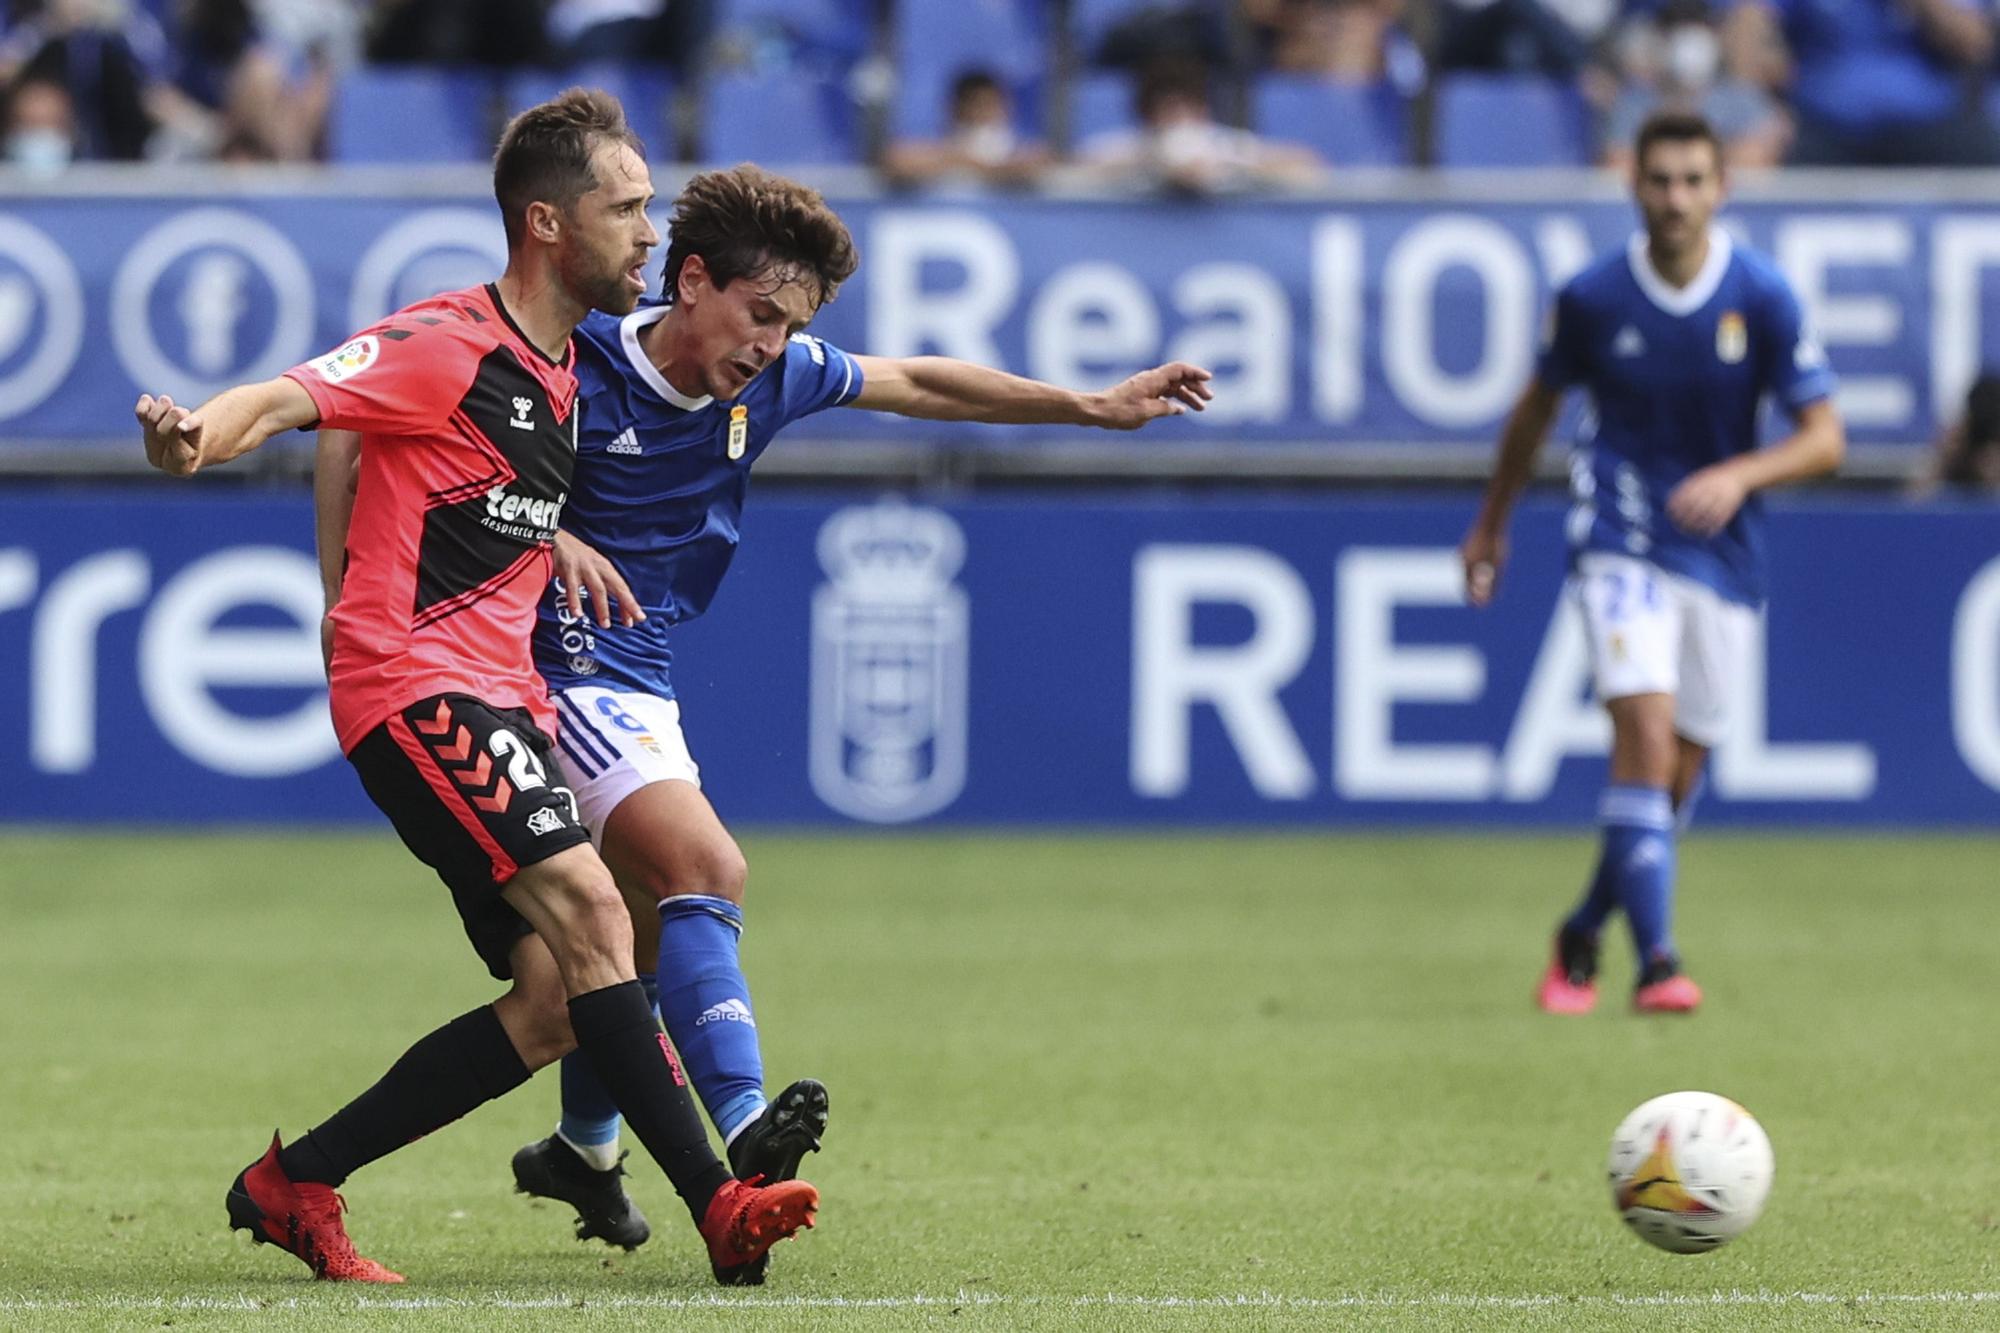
x: 468, y: 788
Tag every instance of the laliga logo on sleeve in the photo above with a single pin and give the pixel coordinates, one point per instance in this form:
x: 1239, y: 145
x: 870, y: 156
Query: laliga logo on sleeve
x: 348, y: 362
x: 889, y: 710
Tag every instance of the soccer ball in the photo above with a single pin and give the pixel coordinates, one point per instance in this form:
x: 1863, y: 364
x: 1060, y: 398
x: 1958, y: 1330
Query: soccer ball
x: 1690, y: 1171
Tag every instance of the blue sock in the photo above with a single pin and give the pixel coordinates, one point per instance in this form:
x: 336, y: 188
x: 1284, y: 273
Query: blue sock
x: 1600, y: 900
x: 589, y: 1117
x: 706, y: 1005
x: 1638, y: 863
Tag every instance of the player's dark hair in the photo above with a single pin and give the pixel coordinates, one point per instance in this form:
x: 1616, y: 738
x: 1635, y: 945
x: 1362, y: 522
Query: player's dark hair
x: 745, y: 221
x: 544, y: 154
x: 1675, y: 127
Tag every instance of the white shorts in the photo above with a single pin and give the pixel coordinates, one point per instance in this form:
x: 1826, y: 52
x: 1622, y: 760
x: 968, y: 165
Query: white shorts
x: 1652, y: 632
x: 610, y: 743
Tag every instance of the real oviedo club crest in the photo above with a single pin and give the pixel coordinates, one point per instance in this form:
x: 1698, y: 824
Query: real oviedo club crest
x: 889, y: 663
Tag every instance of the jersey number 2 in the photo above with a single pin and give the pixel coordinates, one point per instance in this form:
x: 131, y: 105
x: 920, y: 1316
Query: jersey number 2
x: 522, y: 765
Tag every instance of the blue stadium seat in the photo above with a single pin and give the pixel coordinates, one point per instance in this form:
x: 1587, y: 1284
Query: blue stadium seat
x: 411, y: 113
x: 936, y: 41
x: 1100, y: 103
x: 643, y: 90
x: 1350, y: 125
x: 1484, y: 120
x: 779, y: 117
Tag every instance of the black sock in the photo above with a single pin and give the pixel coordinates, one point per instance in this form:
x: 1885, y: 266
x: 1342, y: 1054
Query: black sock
x: 616, y: 1030
x: 464, y: 1064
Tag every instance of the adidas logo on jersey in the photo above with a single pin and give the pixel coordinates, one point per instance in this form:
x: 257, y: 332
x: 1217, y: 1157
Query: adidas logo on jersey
x: 1628, y: 343
x: 729, y: 1011
x: 626, y: 443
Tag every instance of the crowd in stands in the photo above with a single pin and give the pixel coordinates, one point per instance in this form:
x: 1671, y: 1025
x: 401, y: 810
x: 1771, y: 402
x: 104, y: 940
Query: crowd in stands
x: 1192, y: 96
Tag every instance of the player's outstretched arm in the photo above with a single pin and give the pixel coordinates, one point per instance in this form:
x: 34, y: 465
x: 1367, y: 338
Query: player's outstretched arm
x: 1705, y: 502
x: 235, y: 421
x: 939, y: 388
x: 1484, y: 550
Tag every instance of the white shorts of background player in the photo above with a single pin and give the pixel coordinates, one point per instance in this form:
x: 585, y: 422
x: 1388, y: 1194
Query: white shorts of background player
x: 1652, y: 632
x: 610, y: 743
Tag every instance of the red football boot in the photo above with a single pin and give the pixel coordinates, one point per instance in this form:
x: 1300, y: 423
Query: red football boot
x: 1663, y: 990
x: 301, y: 1218
x: 1570, y: 984
x: 746, y: 1218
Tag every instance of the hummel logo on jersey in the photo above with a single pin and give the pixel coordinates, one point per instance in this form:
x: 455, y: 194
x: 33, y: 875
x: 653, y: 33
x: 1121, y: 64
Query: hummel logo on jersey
x: 729, y: 1011
x: 1628, y: 343
x: 544, y: 821
x: 626, y: 443
x: 522, y: 406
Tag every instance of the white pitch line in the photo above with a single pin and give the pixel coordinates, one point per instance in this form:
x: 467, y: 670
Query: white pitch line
x: 1257, y: 1301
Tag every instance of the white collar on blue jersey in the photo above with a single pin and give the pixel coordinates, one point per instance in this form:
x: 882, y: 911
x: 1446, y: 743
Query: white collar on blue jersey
x: 1681, y: 300
x: 628, y: 335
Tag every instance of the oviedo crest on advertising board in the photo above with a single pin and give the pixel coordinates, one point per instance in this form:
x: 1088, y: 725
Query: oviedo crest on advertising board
x: 889, y: 652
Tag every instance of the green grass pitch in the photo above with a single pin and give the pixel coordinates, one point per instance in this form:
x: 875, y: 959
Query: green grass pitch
x: 1078, y: 1082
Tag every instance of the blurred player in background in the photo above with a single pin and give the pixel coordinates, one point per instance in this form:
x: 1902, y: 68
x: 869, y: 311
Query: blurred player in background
x: 679, y: 400
x: 1677, y: 340
x: 465, y: 405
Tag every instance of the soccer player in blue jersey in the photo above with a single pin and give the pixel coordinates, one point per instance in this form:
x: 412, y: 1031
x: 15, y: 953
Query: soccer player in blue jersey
x: 679, y: 400
x: 1677, y: 339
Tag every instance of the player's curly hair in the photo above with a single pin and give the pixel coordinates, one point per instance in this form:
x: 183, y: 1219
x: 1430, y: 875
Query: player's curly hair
x: 544, y: 153
x: 746, y: 221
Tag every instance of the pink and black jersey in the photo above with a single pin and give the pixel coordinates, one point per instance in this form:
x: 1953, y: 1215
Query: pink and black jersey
x: 468, y: 442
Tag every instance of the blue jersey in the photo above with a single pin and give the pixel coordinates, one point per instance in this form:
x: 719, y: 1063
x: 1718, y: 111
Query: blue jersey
x: 1676, y: 377
x: 659, y: 486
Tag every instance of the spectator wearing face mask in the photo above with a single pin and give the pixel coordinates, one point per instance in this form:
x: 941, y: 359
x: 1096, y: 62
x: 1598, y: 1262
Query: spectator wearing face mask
x: 1673, y: 62
x: 41, y: 127
x: 1874, y: 82
x: 105, y: 58
x: 982, y: 148
x: 1180, y: 146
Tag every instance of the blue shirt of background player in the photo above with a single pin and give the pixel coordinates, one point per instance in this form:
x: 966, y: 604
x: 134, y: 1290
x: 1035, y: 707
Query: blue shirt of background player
x: 659, y: 490
x: 1676, y: 377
